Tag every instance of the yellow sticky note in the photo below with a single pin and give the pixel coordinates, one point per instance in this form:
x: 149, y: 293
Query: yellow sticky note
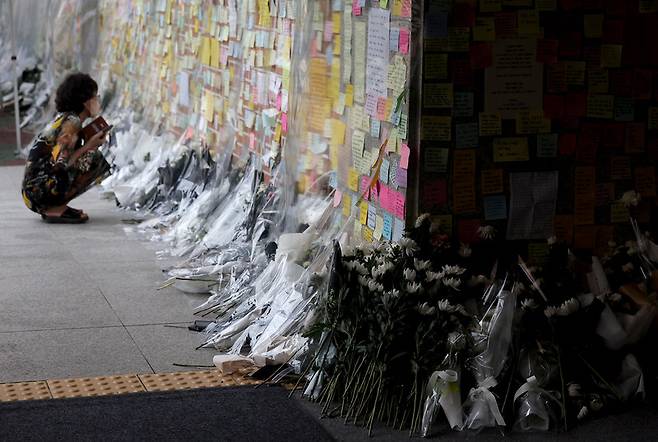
x: 349, y: 95
x: 367, y: 234
x: 363, y: 212
x: 593, y: 25
x: 490, y: 124
x: 214, y: 53
x: 611, y: 56
x: 337, y: 132
x: 510, y: 149
x: 490, y: 5
x: 205, y: 51
x: 209, y: 109
x: 353, y: 180
x: 528, y: 22
x: 436, y: 128
x: 336, y: 18
x: 484, y: 29
x: 347, y: 204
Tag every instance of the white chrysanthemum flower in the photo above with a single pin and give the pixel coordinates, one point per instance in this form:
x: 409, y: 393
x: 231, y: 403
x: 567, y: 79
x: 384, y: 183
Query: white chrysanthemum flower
x: 529, y: 304
x: 374, y: 286
x: 628, y: 267
x: 550, y: 311
x: 631, y: 198
x: 421, y: 219
x: 363, y: 280
x: 452, y: 270
x: 433, y: 276
x: 409, y: 274
x: 568, y: 307
x: 631, y: 247
x: 413, y: 287
x: 615, y: 297
x: 464, y: 250
x: 444, y: 305
x: 574, y: 390
x: 349, y: 265
x: 426, y: 310
x: 551, y: 240
x: 395, y: 293
x: 452, y: 282
x: 409, y: 246
x: 582, y: 414
x: 421, y: 264
x: 486, y: 232
x: 361, y: 268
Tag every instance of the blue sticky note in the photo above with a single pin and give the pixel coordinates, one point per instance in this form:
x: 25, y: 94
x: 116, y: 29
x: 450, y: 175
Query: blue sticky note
x: 372, y: 216
x: 387, y: 233
x: 495, y: 207
x: 333, y: 180
x: 375, y: 126
x: 624, y: 109
x: 394, y: 39
x: 383, y: 171
x: 547, y: 145
x: 398, y: 229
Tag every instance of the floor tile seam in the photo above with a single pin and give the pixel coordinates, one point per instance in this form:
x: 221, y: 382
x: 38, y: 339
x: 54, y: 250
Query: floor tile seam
x: 93, y: 327
x: 139, y: 349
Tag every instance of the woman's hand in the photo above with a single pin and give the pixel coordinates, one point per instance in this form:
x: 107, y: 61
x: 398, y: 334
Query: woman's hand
x: 91, y: 144
x: 95, y: 142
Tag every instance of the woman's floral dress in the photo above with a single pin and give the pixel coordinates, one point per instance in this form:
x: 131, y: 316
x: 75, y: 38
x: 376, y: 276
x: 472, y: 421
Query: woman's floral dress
x: 49, y: 179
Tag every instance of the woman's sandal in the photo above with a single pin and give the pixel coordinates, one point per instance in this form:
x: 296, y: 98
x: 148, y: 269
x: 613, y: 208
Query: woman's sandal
x: 69, y: 216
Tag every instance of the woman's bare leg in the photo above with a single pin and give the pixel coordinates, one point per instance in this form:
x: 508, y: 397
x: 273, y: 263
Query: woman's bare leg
x: 55, y: 211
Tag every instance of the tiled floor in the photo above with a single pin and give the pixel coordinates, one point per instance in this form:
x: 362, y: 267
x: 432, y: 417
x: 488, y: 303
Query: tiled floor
x: 81, y: 301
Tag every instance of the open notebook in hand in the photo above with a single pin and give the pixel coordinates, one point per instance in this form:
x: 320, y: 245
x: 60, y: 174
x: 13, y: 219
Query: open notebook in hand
x: 98, y: 125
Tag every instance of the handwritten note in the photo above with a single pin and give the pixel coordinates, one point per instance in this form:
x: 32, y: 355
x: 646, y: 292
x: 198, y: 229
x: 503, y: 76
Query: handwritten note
x: 490, y: 124
x: 491, y: 181
x: 377, y: 51
x: 436, y: 128
x: 532, y: 205
x: 510, y: 149
x: 495, y: 207
x: 436, y: 159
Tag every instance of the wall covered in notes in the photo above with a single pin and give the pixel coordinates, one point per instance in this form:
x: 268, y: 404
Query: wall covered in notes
x: 538, y: 116
x: 322, y: 85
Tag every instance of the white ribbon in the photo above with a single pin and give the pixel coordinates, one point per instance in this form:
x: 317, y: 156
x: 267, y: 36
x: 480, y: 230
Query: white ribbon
x: 482, y: 393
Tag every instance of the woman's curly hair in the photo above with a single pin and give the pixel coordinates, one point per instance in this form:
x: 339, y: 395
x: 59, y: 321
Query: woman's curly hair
x: 74, y: 91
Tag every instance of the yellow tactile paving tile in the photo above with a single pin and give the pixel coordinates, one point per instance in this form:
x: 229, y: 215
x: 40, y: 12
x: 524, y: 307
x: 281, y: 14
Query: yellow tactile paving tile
x: 185, y: 380
x: 122, y: 384
x: 23, y: 391
x: 97, y: 386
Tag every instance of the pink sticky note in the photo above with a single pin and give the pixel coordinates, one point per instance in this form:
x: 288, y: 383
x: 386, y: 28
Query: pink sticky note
x: 404, y: 156
x: 252, y: 141
x: 328, y: 30
x: 284, y: 122
x: 363, y: 187
x: 278, y: 102
x: 338, y: 197
x: 381, y: 108
x: 385, y: 198
x: 406, y: 8
x: 404, y: 40
x: 356, y: 9
x: 371, y: 105
x: 398, y: 205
